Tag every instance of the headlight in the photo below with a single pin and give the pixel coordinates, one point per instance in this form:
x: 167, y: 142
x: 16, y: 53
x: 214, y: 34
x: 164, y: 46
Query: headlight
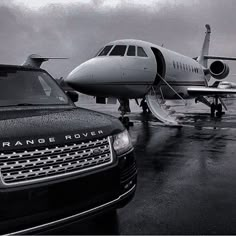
x: 122, y: 142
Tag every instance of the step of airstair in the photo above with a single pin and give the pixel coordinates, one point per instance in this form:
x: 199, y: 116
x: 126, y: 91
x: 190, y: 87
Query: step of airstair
x: 159, y: 109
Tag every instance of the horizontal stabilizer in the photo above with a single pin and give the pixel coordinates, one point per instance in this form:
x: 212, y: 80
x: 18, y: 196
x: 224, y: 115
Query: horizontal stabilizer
x: 208, y: 91
x: 220, y: 58
x: 36, y: 61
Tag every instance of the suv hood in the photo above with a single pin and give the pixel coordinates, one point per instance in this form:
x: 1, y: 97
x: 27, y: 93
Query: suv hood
x: 35, y: 128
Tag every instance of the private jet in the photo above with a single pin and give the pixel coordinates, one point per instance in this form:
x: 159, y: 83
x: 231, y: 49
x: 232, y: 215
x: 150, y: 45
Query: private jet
x: 227, y: 85
x: 132, y: 69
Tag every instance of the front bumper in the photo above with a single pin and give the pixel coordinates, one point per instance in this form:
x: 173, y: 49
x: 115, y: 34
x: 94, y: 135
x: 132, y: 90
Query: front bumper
x: 41, y: 208
x: 122, y: 199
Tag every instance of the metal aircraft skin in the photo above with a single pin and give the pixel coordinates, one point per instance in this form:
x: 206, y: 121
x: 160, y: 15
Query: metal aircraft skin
x: 130, y: 69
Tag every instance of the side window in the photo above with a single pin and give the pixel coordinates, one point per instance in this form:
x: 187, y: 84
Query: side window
x: 177, y: 65
x: 141, y: 52
x: 105, y: 51
x: 131, y: 51
x: 118, y: 50
x: 174, y: 64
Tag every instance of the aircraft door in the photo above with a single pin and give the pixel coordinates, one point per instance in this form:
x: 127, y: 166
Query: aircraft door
x: 160, y: 64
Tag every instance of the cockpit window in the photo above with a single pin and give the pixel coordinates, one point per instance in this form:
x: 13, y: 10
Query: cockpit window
x: 118, y: 50
x: 105, y: 51
x: 141, y: 52
x: 131, y: 51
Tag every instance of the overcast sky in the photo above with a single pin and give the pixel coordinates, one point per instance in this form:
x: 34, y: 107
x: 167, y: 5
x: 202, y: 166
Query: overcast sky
x: 79, y: 28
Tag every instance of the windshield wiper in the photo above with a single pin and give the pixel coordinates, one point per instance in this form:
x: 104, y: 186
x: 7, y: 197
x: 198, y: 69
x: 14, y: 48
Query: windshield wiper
x: 32, y: 105
x: 27, y: 104
x: 23, y: 105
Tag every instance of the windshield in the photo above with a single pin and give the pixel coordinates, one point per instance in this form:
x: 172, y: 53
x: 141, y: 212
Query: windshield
x: 19, y: 87
x: 105, y: 51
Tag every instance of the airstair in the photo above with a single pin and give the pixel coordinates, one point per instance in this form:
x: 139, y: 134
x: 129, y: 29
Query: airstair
x: 159, y: 109
x: 157, y: 104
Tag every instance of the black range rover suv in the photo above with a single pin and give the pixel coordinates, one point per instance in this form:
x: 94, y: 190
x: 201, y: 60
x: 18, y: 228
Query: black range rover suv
x: 58, y: 163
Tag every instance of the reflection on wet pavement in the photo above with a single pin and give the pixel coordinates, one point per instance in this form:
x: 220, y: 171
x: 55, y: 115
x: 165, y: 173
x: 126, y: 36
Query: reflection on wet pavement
x: 186, y: 182
x: 186, y: 179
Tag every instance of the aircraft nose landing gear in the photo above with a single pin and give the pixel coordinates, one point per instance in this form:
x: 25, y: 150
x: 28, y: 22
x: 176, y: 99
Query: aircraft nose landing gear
x: 126, y: 122
x: 125, y: 108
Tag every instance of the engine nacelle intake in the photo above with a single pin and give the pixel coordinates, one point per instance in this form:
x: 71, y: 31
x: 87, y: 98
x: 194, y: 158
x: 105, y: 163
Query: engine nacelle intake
x: 219, y: 70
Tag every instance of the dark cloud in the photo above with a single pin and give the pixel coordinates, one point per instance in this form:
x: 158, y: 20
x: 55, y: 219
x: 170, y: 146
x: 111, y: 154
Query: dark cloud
x: 77, y: 31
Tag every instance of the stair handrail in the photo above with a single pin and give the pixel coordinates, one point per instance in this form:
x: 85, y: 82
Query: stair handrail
x: 185, y: 102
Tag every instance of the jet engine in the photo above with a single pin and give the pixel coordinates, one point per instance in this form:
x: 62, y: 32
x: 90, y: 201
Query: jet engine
x: 219, y: 70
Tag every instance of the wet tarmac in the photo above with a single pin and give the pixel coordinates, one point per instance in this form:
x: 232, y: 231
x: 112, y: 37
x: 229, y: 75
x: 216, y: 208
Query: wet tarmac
x: 186, y: 178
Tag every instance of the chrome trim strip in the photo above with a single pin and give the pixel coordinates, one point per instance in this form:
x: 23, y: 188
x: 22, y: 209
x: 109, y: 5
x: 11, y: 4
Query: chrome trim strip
x: 29, y: 230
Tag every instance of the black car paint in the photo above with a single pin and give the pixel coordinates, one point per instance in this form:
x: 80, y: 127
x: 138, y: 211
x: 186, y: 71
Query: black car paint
x: 32, y: 205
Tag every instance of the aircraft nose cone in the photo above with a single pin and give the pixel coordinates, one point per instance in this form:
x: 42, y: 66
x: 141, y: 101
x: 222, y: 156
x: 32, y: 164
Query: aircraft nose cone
x: 94, y: 76
x: 79, y: 77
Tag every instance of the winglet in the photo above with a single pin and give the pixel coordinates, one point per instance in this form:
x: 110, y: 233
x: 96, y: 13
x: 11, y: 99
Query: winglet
x: 36, y: 61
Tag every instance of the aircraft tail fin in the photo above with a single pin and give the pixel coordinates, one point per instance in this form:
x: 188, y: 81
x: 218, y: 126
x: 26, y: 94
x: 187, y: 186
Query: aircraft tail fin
x: 205, y: 48
x: 36, y: 61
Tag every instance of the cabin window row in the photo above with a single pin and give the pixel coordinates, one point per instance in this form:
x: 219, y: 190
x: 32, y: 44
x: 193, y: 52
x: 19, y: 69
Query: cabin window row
x: 123, y: 50
x: 185, y: 67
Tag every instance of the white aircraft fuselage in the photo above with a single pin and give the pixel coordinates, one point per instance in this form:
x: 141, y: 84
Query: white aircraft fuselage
x: 132, y: 76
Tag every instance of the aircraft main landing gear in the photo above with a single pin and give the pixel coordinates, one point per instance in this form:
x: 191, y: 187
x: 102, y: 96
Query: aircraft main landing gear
x: 217, y: 109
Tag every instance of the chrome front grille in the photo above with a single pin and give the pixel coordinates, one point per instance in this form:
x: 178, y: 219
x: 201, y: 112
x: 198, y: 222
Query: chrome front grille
x: 47, y: 163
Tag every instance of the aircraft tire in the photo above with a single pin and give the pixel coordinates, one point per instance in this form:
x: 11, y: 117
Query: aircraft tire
x: 125, y: 121
x: 213, y: 109
x: 219, y: 112
x: 219, y: 108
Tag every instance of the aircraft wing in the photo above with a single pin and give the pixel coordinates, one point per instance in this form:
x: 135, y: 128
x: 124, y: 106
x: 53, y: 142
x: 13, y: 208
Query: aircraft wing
x: 220, y: 58
x: 209, y: 91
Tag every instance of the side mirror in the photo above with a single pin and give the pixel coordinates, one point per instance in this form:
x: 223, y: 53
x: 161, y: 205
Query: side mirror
x: 73, y: 96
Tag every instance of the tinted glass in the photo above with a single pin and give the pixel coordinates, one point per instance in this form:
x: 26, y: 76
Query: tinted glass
x: 118, y: 50
x: 98, y: 51
x: 29, y: 87
x: 105, y: 51
x: 141, y: 52
x: 131, y: 51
